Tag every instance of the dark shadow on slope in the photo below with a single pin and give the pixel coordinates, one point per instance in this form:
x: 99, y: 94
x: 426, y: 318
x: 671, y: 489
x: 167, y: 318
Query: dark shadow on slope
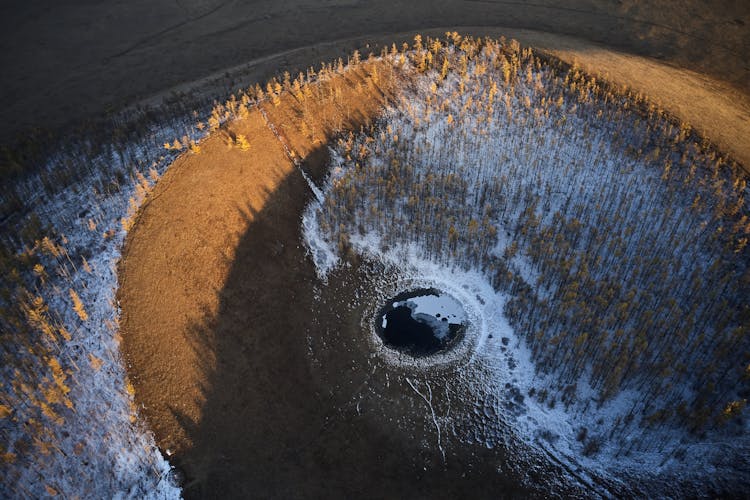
x: 278, y: 424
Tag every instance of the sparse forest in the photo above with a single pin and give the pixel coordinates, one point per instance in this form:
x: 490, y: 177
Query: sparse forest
x: 618, y: 235
x: 68, y: 424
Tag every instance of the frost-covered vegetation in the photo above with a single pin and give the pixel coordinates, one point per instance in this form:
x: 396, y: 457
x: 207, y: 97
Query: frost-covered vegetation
x: 614, y: 240
x: 617, y: 236
x: 68, y: 422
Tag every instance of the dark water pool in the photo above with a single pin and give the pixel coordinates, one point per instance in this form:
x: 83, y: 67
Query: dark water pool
x: 421, y: 322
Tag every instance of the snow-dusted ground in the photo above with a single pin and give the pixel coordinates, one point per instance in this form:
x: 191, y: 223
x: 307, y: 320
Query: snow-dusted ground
x: 525, y: 149
x: 99, y: 448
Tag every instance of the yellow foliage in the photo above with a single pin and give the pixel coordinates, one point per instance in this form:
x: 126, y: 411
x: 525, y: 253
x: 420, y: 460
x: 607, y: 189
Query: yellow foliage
x: 36, y: 314
x: 5, y: 411
x: 153, y: 174
x: 741, y: 244
x: 297, y: 90
x: 78, y: 305
x: 213, y: 123
x: 50, y: 413
x: 51, y: 395
x: 506, y: 71
x: 242, y: 142
x: 96, y: 363
x: 734, y: 408
x: 444, y: 69
x: 64, y: 333
x: 49, y: 247
x: 58, y: 375
x: 492, y: 93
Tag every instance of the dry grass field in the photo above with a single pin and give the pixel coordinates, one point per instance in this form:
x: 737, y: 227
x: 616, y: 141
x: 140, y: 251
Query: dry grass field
x: 66, y: 62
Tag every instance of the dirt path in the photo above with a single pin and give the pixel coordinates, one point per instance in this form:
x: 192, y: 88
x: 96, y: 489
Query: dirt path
x: 69, y: 61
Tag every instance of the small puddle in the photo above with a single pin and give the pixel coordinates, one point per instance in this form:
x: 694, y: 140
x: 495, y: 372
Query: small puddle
x: 421, y: 322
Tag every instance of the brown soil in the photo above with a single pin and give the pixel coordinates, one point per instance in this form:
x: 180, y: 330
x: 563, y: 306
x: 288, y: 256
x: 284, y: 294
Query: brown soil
x: 192, y: 282
x: 215, y: 291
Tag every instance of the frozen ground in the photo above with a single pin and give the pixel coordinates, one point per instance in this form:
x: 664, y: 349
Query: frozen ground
x: 574, y: 432
x: 110, y: 53
x: 494, y: 358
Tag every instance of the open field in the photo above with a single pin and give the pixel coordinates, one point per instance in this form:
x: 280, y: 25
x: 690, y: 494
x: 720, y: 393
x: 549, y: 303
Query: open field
x: 76, y: 60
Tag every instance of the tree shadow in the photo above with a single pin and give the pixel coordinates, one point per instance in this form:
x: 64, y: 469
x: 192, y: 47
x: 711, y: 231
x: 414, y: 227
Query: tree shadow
x: 258, y: 398
x: 277, y: 423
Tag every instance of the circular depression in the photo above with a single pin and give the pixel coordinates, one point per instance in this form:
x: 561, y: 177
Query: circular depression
x: 417, y: 324
x: 421, y: 322
x: 463, y: 347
